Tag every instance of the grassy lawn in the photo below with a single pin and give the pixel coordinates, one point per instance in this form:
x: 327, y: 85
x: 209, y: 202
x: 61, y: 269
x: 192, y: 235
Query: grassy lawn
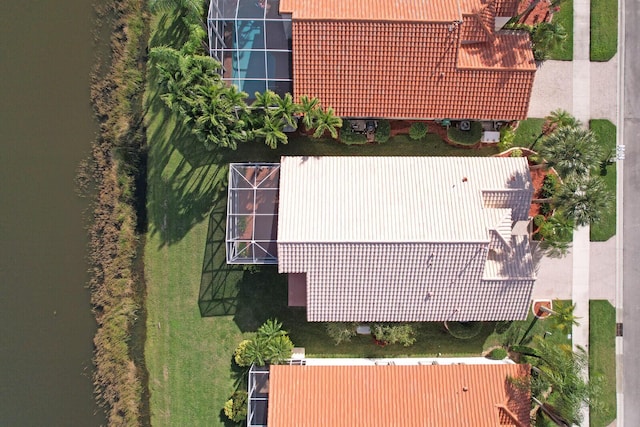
x: 565, y: 18
x: 606, y: 133
x: 604, y: 29
x: 528, y: 132
x: 198, y: 307
x: 602, y: 358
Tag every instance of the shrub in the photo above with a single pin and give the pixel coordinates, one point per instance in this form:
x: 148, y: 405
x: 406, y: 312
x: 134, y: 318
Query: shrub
x: 463, y: 330
x: 466, y: 137
x: 392, y: 334
x: 546, y: 209
x: 341, y: 332
x: 240, y: 355
x: 418, y: 131
x: 516, y: 153
x: 497, y: 354
x: 507, y: 136
x: 347, y: 136
x: 383, y: 132
x: 549, y: 186
x: 236, y: 408
x: 538, y: 220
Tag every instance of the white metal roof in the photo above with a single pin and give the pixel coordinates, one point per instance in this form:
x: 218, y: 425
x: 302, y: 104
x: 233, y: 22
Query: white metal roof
x: 397, y: 199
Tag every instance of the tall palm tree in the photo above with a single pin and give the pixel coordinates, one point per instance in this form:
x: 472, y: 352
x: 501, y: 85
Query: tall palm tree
x: 571, y: 151
x: 309, y: 108
x: 327, y: 121
x: 562, y: 318
x: 585, y: 199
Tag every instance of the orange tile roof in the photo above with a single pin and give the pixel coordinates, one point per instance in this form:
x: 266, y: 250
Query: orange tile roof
x: 407, y: 396
x: 373, y: 10
x: 506, y: 7
x: 408, y: 70
x: 507, y: 51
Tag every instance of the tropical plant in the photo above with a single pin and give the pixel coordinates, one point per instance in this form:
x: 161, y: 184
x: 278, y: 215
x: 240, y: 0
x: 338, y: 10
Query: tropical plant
x: 584, y: 199
x: 309, y: 108
x: 562, y: 318
x: 236, y: 408
x: 192, y: 8
x: 404, y: 334
x: 240, y: 354
x: 383, y: 131
x: 327, y: 121
x: 546, y: 37
x: 285, y: 110
x: 272, y: 131
x: 265, y: 101
x: 557, y: 234
x: 418, y: 130
x: 270, y: 330
x: 507, y: 137
x: 341, y: 332
x: 571, y: 151
x: 279, y: 349
x: 557, y: 381
x: 558, y: 119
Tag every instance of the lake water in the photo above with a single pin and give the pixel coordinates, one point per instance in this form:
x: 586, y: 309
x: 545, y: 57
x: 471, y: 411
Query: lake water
x: 46, y: 128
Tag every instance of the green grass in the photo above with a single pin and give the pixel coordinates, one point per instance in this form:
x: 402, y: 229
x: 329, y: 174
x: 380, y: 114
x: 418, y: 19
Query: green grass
x: 606, y: 132
x: 602, y: 358
x: 565, y: 18
x: 528, y: 132
x: 198, y: 307
x: 604, y: 29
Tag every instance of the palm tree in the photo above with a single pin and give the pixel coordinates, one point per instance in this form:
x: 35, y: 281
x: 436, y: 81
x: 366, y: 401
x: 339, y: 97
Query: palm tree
x: 585, y: 199
x: 286, y: 110
x: 189, y: 7
x: 309, y: 109
x: 571, y: 151
x: 327, y: 121
x: 271, y: 131
x: 265, y: 101
x: 547, y: 36
x: 562, y: 318
x: 271, y: 329
x: 279, y: 349
x: 257, y: 351
x: 557, y: 234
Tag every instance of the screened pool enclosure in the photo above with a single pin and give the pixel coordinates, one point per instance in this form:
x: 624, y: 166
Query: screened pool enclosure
x: 252, y: 41
x: 252, y: 213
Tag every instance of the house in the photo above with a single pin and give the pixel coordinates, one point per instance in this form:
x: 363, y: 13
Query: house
x: 404, y: 59
x: 389, y: 239
x: 486, y: 395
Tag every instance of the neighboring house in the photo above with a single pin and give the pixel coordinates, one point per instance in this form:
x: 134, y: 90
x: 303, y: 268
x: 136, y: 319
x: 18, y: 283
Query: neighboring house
x: 393, y: 239
x: 491, y: 395
x: 404, y: 59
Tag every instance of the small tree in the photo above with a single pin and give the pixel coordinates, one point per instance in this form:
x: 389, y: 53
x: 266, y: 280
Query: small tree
x: 392, y: 334
x: 236, y: 408
x: 418, y: 131
x: 309, y: 109
x: 327, y: 121
x: 584, y: 199
x: 341, y: 332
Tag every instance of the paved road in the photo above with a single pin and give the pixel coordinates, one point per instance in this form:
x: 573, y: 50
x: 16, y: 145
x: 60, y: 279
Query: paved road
x: 631, y: 215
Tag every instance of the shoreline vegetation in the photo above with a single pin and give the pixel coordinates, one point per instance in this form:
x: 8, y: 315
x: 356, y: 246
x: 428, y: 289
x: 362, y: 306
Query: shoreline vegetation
x: 117, y: 169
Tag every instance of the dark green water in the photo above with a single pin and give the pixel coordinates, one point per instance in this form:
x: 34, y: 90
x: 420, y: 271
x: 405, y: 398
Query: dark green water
x: 46, y: 127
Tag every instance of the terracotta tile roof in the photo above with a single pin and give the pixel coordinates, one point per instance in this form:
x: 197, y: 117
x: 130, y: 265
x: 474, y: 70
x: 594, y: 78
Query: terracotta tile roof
x: 406, y: 70
x: 506, y: 7
x: 508, y: 51
x: 407, y: 396
x: 373, y: 10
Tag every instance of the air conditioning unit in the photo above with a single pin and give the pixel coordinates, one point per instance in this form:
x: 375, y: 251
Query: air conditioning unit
x: 465, y: 125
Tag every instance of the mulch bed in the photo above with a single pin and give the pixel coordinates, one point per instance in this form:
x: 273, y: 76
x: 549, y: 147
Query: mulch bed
x: 542, y: 12
x: 537, y: 310
x: 537, y: 177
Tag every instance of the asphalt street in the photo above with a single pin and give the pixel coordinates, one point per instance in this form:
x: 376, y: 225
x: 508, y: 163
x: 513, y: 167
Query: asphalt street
x: 631, y: 215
